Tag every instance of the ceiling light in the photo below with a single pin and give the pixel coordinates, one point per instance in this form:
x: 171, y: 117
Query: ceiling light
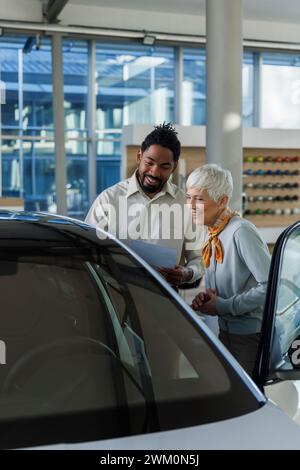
x: 149, y: 40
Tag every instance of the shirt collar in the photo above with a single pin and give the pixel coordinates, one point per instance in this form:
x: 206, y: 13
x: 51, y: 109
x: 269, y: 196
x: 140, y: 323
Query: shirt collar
x: 134, y: 187
x: 170, y: 188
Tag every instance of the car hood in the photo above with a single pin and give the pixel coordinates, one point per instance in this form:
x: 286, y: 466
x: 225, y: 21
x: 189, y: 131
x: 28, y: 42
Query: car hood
x: 267, y: 428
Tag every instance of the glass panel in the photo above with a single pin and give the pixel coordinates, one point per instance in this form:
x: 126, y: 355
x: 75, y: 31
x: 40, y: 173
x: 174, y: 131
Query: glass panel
x: 108, y: 158
x: 28, y: 74
x: 39, y: 173
x: 10, y: 65
x: 109, y: 147
x: 194, y: 87
x: 28, y: 113
x: 37, y: 86
x: 77, y: 191
x: 11, y: 178
x: 280, y: 90
x: 108, y: 172
x: 135, y: 85
x: 248, y: 70
x: 288, y: 301
x: 75, y: 63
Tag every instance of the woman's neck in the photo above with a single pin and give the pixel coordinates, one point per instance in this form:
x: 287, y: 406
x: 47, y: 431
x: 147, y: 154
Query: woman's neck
x: 220, y: 217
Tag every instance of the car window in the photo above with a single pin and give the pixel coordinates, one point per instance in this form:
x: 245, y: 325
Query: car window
x: 288, y: 299
x: 91, y: 335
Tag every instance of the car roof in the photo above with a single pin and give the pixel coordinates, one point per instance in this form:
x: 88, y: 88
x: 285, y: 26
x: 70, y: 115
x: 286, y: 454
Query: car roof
x: 42, y: 226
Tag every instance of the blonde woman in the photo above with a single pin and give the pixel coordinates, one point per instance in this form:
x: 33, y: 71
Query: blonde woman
x: 236, y: 262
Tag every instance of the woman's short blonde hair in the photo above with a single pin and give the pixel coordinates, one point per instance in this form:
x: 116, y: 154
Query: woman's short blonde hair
x: 214, y: 179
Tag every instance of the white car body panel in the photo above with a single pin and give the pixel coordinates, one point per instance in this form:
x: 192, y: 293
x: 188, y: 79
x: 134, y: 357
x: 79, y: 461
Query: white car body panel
x: 267, y: 428
x: 287, y: 396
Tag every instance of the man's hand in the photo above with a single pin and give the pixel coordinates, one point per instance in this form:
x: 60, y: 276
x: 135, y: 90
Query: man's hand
x: 177, y: 275
x: 205, y: 302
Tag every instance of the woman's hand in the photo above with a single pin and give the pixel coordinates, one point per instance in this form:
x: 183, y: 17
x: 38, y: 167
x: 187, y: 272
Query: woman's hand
x: 205, y: 302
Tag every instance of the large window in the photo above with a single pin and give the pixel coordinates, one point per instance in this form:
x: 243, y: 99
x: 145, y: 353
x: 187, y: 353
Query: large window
x: 280, y: 90
x: 28, y: 165
x: 75, y: 67
x: 134, y: 84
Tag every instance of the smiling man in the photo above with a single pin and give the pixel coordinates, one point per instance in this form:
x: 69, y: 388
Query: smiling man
x: 149, y: 207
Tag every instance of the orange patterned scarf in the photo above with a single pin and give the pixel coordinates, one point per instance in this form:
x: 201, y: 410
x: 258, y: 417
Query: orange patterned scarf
x: 213, y: 237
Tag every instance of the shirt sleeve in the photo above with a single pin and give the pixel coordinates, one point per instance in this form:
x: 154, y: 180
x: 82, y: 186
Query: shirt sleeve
x: 194, y: 262
x: 256, y: 257
x: 98, y: 215
x: 192, y: 254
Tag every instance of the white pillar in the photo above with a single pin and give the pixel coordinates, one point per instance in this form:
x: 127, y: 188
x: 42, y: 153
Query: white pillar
x: 224, y: 89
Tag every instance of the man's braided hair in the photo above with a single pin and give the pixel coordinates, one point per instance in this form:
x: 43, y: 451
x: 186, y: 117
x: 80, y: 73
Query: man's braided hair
x: 166, y: 136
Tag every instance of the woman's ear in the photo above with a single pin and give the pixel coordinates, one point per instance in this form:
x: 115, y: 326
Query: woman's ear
x: 224, y: 201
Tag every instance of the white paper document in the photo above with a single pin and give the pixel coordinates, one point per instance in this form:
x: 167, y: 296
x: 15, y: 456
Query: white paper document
x: 156, y: 255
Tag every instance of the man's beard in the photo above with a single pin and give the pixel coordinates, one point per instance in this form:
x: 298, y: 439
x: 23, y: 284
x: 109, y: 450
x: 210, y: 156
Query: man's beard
x: 150, y: 189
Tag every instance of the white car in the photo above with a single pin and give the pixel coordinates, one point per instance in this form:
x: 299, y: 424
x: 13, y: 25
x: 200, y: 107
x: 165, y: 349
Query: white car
x: 98, y: 352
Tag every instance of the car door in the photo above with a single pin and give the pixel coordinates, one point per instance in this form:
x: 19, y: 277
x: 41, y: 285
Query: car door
x: 278, y: 364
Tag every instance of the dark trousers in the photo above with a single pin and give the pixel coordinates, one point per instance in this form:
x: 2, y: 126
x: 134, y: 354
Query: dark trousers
x: 242, y: 347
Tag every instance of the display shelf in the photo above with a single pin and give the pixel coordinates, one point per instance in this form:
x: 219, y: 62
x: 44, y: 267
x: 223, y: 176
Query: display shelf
x: 271, y: 183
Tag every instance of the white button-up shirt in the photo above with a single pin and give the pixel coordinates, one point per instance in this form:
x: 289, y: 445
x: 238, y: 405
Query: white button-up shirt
x: 125, y: 211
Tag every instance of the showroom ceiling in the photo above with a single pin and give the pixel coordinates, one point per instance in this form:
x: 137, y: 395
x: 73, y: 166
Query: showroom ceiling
x: 267, y: 10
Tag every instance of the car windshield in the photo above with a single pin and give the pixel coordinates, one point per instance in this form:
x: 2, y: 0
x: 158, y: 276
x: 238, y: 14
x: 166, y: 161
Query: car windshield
x: 89, y: 335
